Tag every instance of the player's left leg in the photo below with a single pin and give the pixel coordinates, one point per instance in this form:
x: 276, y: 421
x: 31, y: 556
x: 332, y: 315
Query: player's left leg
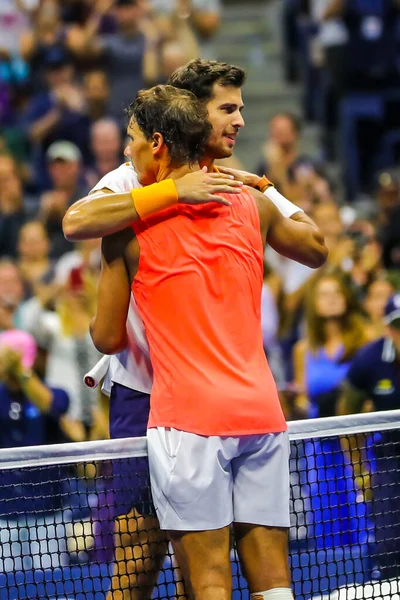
x: 263, y: 554
x: 203, y: 557
x: 261, y: 514
x: 140, y: 549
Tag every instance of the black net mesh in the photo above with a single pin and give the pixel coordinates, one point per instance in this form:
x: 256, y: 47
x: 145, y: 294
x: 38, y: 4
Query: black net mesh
x: 75, y: 531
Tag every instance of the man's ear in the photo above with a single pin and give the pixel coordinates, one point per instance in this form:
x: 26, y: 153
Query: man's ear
x: 158, y: 143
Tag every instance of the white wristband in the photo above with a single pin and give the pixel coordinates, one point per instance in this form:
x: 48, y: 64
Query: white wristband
x: 284, y: 205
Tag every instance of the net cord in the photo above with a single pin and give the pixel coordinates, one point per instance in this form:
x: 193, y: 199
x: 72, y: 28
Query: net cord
x: 103, y: 450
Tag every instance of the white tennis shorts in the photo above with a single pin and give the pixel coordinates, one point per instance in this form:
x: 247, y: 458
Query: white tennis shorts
x: 202, y: 483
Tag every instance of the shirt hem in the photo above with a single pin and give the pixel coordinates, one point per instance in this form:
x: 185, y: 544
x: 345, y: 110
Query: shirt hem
x: 222, y: 433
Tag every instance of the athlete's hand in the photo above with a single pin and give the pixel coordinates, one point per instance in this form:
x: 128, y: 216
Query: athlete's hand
x: 250, y: 179
x: 201, y: 187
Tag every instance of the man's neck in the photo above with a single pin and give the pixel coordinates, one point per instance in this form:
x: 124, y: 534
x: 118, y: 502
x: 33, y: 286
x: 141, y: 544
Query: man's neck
x: 169, y: 172
x: 207, y: 162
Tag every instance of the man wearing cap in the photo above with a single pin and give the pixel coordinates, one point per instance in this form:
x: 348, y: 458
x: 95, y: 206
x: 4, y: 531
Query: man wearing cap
x: 64, y: 161
x: 375, y: 374
x: 57, y: 113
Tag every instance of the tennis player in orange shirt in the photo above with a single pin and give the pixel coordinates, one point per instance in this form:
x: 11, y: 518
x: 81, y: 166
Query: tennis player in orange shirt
x: 217, y: 440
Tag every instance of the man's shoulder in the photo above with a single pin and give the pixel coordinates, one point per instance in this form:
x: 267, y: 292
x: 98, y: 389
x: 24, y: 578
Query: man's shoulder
x: 121, y: 179
x: 371, y: 353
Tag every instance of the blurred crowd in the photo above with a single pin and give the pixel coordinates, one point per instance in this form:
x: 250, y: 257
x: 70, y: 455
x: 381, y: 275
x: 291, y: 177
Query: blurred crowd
x: 67, y: 70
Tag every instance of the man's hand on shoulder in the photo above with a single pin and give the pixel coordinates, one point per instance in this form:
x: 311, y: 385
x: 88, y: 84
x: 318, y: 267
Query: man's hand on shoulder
x: 249, y: 179
x: 201, y: 187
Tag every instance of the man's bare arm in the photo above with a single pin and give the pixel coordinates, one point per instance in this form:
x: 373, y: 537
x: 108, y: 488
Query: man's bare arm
x: 108, y: 327
x: 103, y: 213
x: 283, y: 204
x: 300, y: 241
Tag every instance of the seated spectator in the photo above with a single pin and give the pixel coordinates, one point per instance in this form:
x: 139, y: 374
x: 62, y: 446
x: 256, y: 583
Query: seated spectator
x: 12, y: 213
x: 97, y: 94
x: 33, y: 261
x: 11, y: 295
x: 107, y: 150
x: 48, y: 35
x: 391, y: 241
x: 328, y: 218
x: 24, y: 394
x: 14, y: 23
x: 202, y: 16
x: 64, y: 166
x: 270, y: 296
x: 377, y: 295
x: 365, y: 262
x: 130, y: 55
x: 387, y: 195
x: 64, y: 333
x: 281, y: 149
x: 86, y: 254
x: 58, y: 113
x: 306, y: 180
x: 335, y: 331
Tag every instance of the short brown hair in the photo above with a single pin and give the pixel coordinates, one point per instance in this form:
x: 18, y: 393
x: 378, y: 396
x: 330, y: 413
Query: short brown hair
x: 199, y: 75
x: 178, y: 116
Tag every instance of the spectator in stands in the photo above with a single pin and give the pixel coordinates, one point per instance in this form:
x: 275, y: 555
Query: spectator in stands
x: 369, y: 60
x: 65, y: 169
x: 202, y: 16
x: 388, y: 196
x: 365, y: 262
x: 97, y: 94
x: 11, y: 295
x: 270, y: 298
x: 24, y: 398
x: 86, y: 254
x: 106, y: 147
x: 34, y: 264
x: 335, y: 331
x: 374, y: 375
x: 130, y: 54
x: 391, y: 242
x: 48, y: 34
x: 281, y: 150
x: 64, y: 333
x: 377, y: 295
x: 57, y: 114
x: 12, y: 212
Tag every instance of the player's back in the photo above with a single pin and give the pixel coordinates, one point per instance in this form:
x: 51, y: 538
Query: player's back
x: 198, y: 289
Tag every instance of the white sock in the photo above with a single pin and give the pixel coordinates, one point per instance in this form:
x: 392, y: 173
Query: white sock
x: 274, y: 594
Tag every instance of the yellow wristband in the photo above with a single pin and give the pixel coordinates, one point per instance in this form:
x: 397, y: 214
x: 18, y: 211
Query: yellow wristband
x: 153, y: 198
x: 263, y: 183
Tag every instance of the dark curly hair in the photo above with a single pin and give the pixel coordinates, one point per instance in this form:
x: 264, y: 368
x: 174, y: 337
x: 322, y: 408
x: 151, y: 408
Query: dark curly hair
x: 178, y: 116
x: 199, y: 75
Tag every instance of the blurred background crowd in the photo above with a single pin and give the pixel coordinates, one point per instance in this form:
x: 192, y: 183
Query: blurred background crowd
x: 322, y: 119
x: 322, y: 111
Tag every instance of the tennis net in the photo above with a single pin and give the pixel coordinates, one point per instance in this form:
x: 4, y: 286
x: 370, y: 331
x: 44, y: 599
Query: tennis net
x: 59, y: 538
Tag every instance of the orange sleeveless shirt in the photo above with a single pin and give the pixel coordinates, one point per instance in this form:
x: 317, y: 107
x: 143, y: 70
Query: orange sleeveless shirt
x: 198, y: 291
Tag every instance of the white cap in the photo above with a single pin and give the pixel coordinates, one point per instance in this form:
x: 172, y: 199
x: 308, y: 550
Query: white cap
x: 63, y: 150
